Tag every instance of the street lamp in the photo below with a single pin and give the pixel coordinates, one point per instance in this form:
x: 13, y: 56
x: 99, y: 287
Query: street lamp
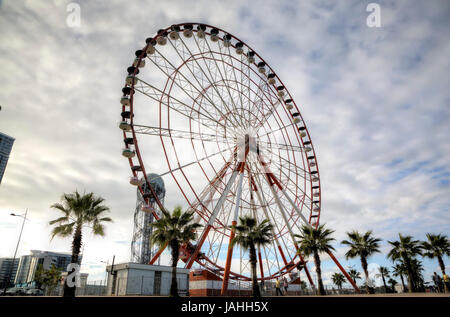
x: 106, y: 270
x: 17, y: 246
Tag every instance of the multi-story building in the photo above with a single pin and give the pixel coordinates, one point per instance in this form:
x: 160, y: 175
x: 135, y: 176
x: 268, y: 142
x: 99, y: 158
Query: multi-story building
x: 22, y: 270
x: 6, y: 143
x: 28, y: 264
x: 8, y: 268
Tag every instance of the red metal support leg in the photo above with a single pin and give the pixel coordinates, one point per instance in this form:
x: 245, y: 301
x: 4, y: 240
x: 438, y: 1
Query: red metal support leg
x: 226, y: 273
x: 199, y: 246
x: 344, y: 272
x: 158, y: 254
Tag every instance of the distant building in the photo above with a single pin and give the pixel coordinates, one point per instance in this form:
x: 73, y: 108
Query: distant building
x: 7, y: 268
x: 28, y: 265
x: 6, y: 143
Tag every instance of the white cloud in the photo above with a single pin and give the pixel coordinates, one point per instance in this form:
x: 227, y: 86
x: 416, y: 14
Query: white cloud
x: 370, y: 97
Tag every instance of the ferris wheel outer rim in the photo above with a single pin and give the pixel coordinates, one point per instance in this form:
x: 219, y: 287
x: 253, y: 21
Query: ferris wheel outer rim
x: 139, y: 158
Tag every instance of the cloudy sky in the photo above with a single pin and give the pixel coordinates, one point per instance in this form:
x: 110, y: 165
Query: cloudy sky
x: 376, y: 102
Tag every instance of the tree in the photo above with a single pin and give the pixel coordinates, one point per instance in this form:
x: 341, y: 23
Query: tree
x: 405, y: 250
x: 437, y: 246
x: 79, y: 210
x: 363, y: 246
x: 392, y: 282
x: 249, y: 235
x: 399, y: 270
x: 313, y: 242
x: 383, y: 272
x: 174, y: 230
x: 47, y: 278
x: 417, y: 273
x: 303, y: 285
x: 338, y: 279
x: 354, y: 274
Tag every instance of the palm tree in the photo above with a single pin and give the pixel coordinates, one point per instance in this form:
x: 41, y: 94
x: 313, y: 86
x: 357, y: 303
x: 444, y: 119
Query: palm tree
x: 405, y: 250
x: 48, y: 279
x: 392, y: 282
x: 303, y: 285
x: 437, y: 246
x: 79, y: 210
x: 363, y: 246
x: 174, y: 230
x: 417, y: 269
x: 338, y: 279
x: 312, y: 242
x: 383, y: 273
x: 249, y: 235
x: 399, y: 270
x: 354, y: 274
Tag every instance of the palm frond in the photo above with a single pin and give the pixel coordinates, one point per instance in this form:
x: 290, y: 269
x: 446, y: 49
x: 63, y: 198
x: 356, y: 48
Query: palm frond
x: 64, y: 230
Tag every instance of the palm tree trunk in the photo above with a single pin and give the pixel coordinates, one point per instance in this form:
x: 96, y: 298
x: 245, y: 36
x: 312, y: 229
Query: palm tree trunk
x: 253, y: 262
x: 76, y: 247
x: 366, y: 273
x: 175, y: 255
x: 411, y: 287
x: 384, y: 283
x: 442, y: 266
x: 403, y: 282
x: 321, y: 290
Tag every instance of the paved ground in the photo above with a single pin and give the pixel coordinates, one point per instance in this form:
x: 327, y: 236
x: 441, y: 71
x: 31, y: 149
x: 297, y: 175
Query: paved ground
x: 345, y: 295
x: 385, y: 295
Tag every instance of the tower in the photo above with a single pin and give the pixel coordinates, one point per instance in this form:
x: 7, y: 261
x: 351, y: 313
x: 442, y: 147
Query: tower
x: 141, y: 248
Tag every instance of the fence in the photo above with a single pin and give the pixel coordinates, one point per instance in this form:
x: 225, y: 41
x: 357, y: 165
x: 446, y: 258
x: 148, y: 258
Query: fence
x: 143, y: 285
x: 146, y: 286
x: 94, y: 288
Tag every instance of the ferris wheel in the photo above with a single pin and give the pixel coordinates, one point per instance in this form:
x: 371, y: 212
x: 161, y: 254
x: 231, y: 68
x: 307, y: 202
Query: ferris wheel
x: 234, y: 143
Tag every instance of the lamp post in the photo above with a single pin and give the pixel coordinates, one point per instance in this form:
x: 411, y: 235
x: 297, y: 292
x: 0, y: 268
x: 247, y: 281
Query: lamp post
x: 106, y: 271
x: 17, y: 246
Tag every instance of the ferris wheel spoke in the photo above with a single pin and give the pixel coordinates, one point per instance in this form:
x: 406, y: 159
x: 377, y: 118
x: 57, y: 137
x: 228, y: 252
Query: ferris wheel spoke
x: 194, y: 162
x: 180, y: 107
x: 241, y: 123
x: 245, y: 82
x: 265, y: 99
x: 304, y: 194
x: 187, y: 135
x: 289, y: 164
x: 286, y: 202
x: 243, y: 64
x: 184, y: 84
x: 275, y: 101
x: 279, y: 129
x: 244, y: 77
x: 227, y: 61
x: 270, y: 112
x: 269, y: 174
x: 192, y: 71
x: 278, y: 146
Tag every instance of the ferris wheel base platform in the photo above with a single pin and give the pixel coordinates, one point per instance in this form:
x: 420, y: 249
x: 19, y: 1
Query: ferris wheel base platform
x: 205, y: 283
